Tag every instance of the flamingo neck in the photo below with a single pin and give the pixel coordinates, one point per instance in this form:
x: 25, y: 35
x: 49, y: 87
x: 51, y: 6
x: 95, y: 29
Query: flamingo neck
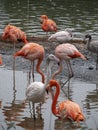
x: 48, y: 73
x: 58, y: 71
x: 39, y: 70
x: 54, y: 102
x: 25, y: 41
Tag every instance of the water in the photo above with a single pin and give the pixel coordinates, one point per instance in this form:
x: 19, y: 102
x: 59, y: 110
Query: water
x: 81, y: 16
x: 14, y: 113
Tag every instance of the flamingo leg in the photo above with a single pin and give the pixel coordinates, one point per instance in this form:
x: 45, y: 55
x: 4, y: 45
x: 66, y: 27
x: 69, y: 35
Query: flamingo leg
x: 33, y: 110
x: 40, y: 111
x: 97, y: 63
x: 70, y: 72
x: 14, y: 62
x: 30, y: 109
x: 33, y: 72
x: 30, y: 72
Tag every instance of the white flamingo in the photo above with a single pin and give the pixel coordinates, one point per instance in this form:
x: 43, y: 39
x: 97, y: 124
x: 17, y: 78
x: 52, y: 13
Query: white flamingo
x: 35, y: 92
x: 61, y: 36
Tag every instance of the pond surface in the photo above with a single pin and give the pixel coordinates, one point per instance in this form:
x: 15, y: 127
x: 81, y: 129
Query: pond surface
x: 82, y: 16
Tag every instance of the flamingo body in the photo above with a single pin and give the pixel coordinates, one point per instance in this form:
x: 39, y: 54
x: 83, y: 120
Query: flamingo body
x: 33, y: 51
x: 71, y: 110
x: 14, y: 34
x: 35, y: 92
x: 48, y: 25
x: 61, y: 36
x: 66, y: 109
x: 67, y: 51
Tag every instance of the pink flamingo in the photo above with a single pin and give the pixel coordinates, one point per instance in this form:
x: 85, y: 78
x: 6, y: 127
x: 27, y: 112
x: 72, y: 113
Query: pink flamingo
x: 33, y: 51
x: 66, y: 52
x: 48, y: 25
x: 66, y: 109
x: 14, y: 34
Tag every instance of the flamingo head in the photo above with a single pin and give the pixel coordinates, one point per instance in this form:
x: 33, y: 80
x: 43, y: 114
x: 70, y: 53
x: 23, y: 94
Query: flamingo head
x: 43, y: 18
x: 87, y: 37
x: 53, y: 58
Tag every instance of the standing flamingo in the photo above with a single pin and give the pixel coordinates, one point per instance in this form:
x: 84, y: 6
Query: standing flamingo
x: 33, y: 51
x: 66, y: 52
x: 35, y: 92
x: 66, y: 109
x: 14, y: 34
x: 61, y: 36
x: 92, y: 46
x: 48, y: 25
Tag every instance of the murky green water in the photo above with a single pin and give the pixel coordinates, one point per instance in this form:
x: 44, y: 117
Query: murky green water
x: 80, y: 15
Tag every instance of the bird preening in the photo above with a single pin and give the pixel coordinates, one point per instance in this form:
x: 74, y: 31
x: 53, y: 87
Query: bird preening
x: 14, y: 34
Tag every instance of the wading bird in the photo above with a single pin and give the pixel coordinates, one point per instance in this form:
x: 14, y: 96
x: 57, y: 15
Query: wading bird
x: 67, y: 52
x: 66, y: 109
x: 47, y: 24
x: 61, y: 36
x: 33, y: 51
x: 92, y: 46
x: 14, y: 34
x: 35, y: 92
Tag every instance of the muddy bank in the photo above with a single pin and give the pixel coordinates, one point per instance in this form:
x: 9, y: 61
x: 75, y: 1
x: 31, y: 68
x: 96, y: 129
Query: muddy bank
x: 84, y: 70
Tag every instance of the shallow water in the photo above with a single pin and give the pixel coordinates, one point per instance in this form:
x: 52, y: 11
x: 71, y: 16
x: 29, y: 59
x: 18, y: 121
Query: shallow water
x: 16, y: 114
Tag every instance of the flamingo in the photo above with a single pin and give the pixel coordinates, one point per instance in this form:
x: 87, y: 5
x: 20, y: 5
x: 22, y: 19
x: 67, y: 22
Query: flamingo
x: 48, y: 25
x: 0, y: 60
x: 66, y: 109
x: 33, y: 51
x: 35, y: 92
x: 66, y: 52
x: 92, y: 46
x: 14, y: 34
x: 61, y: 36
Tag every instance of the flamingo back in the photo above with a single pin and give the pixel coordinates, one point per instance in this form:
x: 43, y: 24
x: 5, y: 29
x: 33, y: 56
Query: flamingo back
x: 70, y: 110
x: 31, y: 51
x: 67, y: 51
